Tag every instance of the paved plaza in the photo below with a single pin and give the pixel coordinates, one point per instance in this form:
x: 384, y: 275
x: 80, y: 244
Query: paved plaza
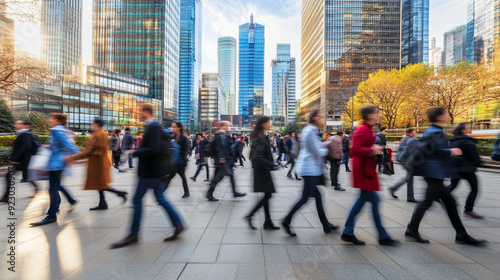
x: 218, y: 244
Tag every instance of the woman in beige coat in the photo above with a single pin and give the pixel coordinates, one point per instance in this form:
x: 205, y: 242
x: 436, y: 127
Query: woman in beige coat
x: 98, y: 174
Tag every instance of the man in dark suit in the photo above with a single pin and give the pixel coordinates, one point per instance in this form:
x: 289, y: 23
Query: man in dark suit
x: 151, y: 176
x: 224, y: 161
x: 21, y: 155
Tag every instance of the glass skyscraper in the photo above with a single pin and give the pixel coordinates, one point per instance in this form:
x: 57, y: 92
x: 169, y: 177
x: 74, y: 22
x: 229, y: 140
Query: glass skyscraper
x: 226, y: 59
x: 251, y: 70
x: 140, y: 38
x: 342, y: 43
x: 455, y: 45
x: 414, y: 32
x: 283, y: 94
x: 190, y: 62
x: 62, y: 35
x: 483, y: 21
x: 212, y: 99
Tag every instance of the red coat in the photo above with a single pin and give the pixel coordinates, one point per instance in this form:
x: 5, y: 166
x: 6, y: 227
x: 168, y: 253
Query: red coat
x: 364, y: 176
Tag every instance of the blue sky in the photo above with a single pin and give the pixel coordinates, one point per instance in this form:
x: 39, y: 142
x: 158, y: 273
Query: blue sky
x: 282, y: 20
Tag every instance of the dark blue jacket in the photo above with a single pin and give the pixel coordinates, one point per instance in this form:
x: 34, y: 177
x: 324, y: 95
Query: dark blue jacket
x: 149, y: 153
x: 438, y: 164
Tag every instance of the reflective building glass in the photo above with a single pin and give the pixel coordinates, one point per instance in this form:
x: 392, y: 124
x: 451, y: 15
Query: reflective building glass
x: 212, y: 99
x: 414, y: 32
x: 483, y: 21
x: 226, y: 47
x: 455, y: 45
x: 283, y: 88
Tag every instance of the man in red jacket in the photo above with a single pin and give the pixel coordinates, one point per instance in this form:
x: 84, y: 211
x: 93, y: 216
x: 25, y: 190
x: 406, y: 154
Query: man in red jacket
x: 364, y: 176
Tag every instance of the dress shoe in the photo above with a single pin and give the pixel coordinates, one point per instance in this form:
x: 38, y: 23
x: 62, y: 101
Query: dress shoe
x: 206, y: 180
x: 121, y: 171
x: 298, y: 179
x: 388, y: 242
x: 131, y: 239
x: 467, y: 239
x: 415, y: 236
x: 329, y: 227
x: 340, y: 189
x: 72, y: 206
x: 239, y: 194
x: 413, y: 200
x: 348, y: 170
x: 211, y: 198
x: 46, y: 220
x: 124, y: 196
x: 352, y: 239
x: 99, y: 207
x: 249, y: 221
x: 473, y: 214
x: 177, y: 232
x: 392, y: 191
x: 289, y: 176
x: 193, y: 178
x: 288, y: 229
x: 269, y: 225
x: 186, y: 195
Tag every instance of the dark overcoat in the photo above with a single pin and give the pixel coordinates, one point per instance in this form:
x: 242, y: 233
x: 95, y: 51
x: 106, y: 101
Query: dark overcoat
x: 263, y: 164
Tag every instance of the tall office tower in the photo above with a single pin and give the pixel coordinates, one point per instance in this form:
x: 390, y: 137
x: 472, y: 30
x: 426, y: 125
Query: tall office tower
x: 283, y: 95
x: 433, y: 43
x: 455, y: 45
x: 62, y: 35
x: 7, y: 51
x: 483, y: 28
x: 414, y: 32
x: 212, y: 98
x: 141, y: 39
x: 190, y: 62
x: 226, y: 59
x: 342, y: 43
x: 251, y: 71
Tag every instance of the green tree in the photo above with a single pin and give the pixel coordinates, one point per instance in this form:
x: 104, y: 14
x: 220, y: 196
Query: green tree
x: 6, y: 119
x: 39, y: 123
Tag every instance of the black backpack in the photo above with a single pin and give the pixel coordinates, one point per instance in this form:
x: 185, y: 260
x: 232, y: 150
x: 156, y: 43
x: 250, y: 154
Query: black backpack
x: 416, y: 152
x: 211, y: 148
x: 167, y: 158
x: 35, y: 145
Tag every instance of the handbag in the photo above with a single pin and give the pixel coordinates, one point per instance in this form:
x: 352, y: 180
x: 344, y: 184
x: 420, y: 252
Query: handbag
x: 38, y: 167
x: 388, y: 168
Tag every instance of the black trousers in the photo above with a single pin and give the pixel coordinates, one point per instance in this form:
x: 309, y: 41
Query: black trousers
x: 264, y: 202
x: 472, y: 179
x: 334, y: 171
x: 200, y: 166
x: 218, y: 177
x: 436, y: 190
x: 181, y: 170
x: 292, y: 162
x: 12, y: 172
x: 116, y: 158
x: 409, y: 185
x: 310, y: 190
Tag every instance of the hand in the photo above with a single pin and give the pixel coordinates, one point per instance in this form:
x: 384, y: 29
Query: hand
x: 222, y: 160
x: 275, y: 167
x: 456, y: 152
x: 377, y: 149
x: 15, y: 162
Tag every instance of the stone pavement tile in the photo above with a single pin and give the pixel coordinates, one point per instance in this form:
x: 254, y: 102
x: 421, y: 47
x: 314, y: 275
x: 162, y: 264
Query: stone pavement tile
x: 216, y: 271
x: 435, y: 271
x: 326, y: 254
x: 314, y: 236
x: 478, y: 254
x: 493, y: 266
x: 278, y: 237
x: 490, y: 234
x: 280, y: 271
x: 353, y: 271
x: 221, y: 216
x: 170, y: 271
x: 242, y: 236
x: 205, y: 253
x: 447, y: 254
x: 411, y: 253
x: 251, y: 271
x: 311, y: 270
x: 118, y: 271
x: 212, y: 236
x: 443, y: 235
x: 349, y: 254
x: 241, y: 253
x: 276, y: 254
x: 137, y: 253
x: 477, y: 271
x: 177, y: 252
x: 302, y: 254
x: 198, y: 219
x: 374, y: 255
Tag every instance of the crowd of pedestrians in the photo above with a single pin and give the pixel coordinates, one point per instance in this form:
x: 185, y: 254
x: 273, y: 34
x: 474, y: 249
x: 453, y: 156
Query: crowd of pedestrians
x: 164, y: 153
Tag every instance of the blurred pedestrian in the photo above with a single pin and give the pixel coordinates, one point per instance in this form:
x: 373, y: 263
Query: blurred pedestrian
x: 200, y: 154
x: 115, y: 147
x: 334, y: 145
x: 128, y: 143
x: 293, y: 151
x: 381, y: 140
x: 182, y: 140
x: 408, y: 179
x: 346, y: 144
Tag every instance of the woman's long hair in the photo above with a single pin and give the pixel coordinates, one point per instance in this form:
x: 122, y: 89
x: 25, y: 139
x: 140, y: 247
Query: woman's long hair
x: 258, y: 129
x: 182, y: 131
x: 459, y: 129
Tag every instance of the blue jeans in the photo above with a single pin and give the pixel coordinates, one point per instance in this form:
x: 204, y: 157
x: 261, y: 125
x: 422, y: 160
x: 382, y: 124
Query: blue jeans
x: 365, y: 196
x: 54, y: 187
x: 158, y: 186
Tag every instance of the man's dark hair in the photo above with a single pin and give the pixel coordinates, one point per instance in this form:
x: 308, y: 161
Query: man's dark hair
x: 434, y: 112
x: 311, y: 116
x: 367, y: 110
x: 340, y: 133
x: 27, y: 123
x: 290, y: 133
x: 409, y: 130
x: 99, y: 122
x: 127, y: 128
x: 147, y: 107
x: 382, y: 128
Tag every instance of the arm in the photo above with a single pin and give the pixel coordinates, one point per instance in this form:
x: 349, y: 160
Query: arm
x: 21, y: 146
x: 153, y: 142
x: 66, y: 143
x: 315, y: 146
x: 90, y: 147
x: 260, y: 151
x: 361, y: 143
x: 474, y: 157
x: 440, y: 150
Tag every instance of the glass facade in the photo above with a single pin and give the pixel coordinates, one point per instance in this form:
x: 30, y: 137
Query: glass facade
x: 414, y: 32
x: 455, y: 45
x: 226, y: 59
x: 140, y: 38
x: 484, y: 20
x: 190, y: 61
x: 342, y: 43
x: 251, y: 70
x: 283, y: 94
x: 61, y: 35
x: 212, y: 98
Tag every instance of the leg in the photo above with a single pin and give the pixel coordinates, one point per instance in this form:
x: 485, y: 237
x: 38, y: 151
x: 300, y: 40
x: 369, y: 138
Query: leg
x: 410, y: 195
x: 261, y: 203
x: 130, y: 162
x: 454, y: 183
x: 169, y: 178
x: 351, y: 219
x: 182, y: 173
x: 309, y: 181
x: 335, y: 166
x: 142, y: 188
x: 206, y: 167
x: 198, y: 169
x: 292, y: 162
x: 218, y: 176
x: 319, y: 206
x: 8, y: 177
x: 375, y: 201
x: 451, y: 208
x: 472, y: 179
x: 431, y: 194
x: 233, y: 184
x: 54, y: 186
x: 66, y: 193
x: 160, y: 198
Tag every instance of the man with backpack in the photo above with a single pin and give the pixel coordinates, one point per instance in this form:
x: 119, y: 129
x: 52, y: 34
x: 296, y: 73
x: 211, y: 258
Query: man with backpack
x: 408, y: 179
x: 435, y: 167
x: 24, y: 147
x: 220, y: 150
x: 334, y: 145
x: 151, y: 171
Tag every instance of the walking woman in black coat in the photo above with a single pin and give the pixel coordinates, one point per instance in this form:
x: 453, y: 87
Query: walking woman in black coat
x: 263, y: 164
x: 465, y: 165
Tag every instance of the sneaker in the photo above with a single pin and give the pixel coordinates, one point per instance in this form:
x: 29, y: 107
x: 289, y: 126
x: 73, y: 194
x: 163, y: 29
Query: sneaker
x: 473, y: 214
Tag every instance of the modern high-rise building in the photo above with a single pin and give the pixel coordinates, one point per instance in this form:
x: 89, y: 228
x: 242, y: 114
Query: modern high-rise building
x: 7, y: 51
x: 226, y: 59
x: 414, y: 32
x: 342, y: 43
x: 455, y: 45
x: 62, y: 35
x: 190, y: 62
x: 141, y: 39
x: 283, y: 94
x: 483, y: 28
x: 251, y: 70
x: 212, y: 98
